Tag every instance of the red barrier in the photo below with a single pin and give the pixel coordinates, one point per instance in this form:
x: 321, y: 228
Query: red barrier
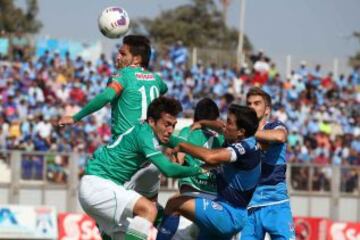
x: 311, y: 228
x: 324, y: 229
x: 73, y: 226
x: 344, y: 231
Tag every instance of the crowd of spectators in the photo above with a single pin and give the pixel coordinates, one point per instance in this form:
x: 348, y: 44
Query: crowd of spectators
x: 320, y: 110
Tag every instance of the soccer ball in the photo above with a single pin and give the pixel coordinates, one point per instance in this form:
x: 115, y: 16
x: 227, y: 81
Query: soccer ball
x: 113, y: 22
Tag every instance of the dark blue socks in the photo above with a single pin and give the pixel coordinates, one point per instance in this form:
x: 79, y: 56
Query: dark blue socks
x: 168, y: 227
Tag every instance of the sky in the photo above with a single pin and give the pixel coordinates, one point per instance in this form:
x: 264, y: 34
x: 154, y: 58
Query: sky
x: 317, y: 31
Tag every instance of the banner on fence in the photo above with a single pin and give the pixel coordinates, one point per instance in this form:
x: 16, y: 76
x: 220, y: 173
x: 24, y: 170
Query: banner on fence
x: 27, y: 222
x: 307, y: 228
x: 344, y: 231
x: 75, y: 226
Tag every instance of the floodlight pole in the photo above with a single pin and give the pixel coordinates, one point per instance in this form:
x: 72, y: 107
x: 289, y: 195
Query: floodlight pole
x: 239, y: 57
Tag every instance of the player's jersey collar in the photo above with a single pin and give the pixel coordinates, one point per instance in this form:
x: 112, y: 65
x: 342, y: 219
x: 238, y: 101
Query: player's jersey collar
x: 135, y: 66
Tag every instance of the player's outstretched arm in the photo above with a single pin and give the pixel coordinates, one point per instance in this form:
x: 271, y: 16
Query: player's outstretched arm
x: 173, y: 170
x: 273, y: 135
x: 210, y: 156
x: 94, y: 105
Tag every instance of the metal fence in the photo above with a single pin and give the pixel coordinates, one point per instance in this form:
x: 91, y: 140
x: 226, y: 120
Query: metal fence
x: 39, y: 178
x: 284, y: 62
x: 51, y: 178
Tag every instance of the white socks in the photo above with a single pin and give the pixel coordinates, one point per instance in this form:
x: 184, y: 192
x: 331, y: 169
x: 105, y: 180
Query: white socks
x: 139, y: 229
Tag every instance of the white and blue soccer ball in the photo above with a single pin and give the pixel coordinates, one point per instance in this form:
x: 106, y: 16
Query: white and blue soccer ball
x: 113, y: 22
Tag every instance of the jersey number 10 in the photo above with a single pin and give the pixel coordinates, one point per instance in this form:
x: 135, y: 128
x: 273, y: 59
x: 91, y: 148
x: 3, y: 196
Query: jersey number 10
x: 154, y: 93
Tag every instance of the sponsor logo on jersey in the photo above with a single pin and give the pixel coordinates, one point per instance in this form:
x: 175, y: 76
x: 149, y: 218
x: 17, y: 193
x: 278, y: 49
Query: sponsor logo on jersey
x: 216, y: 206
x: 145, y: 76
x: 240, y: 148
x: 205, y: 204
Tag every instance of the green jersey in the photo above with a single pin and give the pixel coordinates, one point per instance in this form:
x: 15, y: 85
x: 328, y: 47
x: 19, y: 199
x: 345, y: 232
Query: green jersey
x: 205, y: 138
x: 129, y: 152
x: 139, y: 88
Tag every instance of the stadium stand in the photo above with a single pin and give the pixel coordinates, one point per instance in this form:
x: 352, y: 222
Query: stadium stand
x: 320, y: 110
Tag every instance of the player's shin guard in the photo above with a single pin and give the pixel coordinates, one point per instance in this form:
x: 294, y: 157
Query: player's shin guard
x: 139, y: 229
x: 168, y: 227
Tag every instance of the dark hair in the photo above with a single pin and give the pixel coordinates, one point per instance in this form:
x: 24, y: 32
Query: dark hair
x: 163, y: 105
x: 139, y: 46
x: 229, y: 98
x: 206, y: 109
x: 256, y: 91
x: 246, y: 118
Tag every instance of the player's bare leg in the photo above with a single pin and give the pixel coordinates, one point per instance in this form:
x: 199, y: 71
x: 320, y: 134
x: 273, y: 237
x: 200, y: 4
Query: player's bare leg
x: 145, y: 213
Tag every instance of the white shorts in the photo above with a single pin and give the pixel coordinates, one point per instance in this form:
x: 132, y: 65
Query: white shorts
x: 146, y: 181
x: 108, y: 203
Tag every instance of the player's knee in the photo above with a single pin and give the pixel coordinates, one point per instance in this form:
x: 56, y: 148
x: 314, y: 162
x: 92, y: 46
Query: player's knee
x: 146, y: 209
x: 172, y: 205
